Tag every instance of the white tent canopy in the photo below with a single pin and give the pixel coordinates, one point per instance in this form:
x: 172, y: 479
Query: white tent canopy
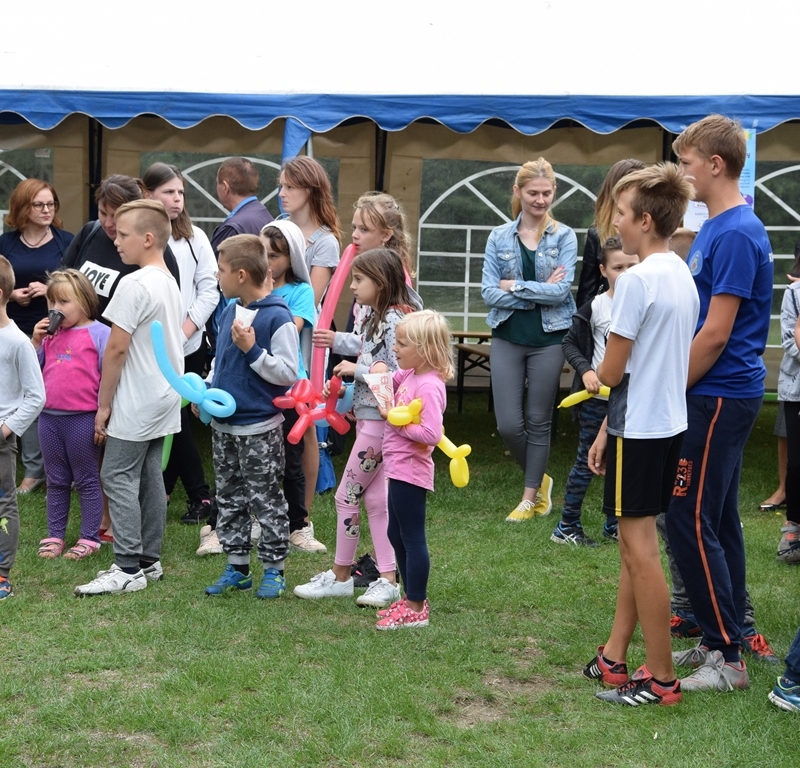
x: 529, y: 64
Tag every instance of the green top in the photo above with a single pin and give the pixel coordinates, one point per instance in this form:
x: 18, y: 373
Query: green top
x: 524, y: 326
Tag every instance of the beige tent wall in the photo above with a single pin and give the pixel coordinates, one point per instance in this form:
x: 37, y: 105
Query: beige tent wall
x: 123, y: 147
x: 68, y: 143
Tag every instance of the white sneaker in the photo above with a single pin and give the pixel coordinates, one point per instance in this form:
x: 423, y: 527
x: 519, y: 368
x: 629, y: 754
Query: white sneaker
x: 209, y: 543
x: 303, y: 541
x: 154, y: 572
x: 113, y: 581
x: 255, y: 530
x: 379, y: 594
x: 324, y: 585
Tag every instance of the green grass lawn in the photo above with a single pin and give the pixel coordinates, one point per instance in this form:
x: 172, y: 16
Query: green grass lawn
x: 170, y: 677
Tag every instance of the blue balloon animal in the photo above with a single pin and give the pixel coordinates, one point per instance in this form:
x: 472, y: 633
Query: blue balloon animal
x: 210, y: 402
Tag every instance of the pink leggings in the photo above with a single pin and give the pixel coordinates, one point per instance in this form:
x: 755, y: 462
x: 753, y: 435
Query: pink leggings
x: 363, y: 480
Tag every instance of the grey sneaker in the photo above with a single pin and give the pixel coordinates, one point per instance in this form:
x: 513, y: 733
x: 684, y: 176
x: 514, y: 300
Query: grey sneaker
x: 694, y: 657
x: 716, y: 675
x: 789, y: 546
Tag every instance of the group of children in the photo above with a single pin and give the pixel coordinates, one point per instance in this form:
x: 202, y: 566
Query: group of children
x: 107, y: 404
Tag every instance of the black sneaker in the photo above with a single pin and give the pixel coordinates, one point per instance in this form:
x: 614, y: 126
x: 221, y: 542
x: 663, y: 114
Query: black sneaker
x: 684, y: 624
x: 571, y: 534
x: 611, y: 531
x: 197, y: 512
x: 364, y: 572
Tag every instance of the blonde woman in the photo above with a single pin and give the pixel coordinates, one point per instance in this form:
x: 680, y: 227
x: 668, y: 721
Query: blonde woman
x: 527, y: 272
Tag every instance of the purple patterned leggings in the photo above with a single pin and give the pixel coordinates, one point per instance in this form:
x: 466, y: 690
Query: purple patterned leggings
x: 70, y: 456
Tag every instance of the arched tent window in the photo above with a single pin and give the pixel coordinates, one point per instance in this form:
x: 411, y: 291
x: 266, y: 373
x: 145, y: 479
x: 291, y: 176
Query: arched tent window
x: 455, y: 226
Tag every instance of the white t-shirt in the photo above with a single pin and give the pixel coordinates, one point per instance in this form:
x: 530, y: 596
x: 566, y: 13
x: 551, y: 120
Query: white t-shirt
x: 145, y: 406
x: 601, y: 320
x: 656, y: 305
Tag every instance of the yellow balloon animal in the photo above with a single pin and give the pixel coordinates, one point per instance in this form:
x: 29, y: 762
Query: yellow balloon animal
x: 401, y: 415
x: 579, y: 397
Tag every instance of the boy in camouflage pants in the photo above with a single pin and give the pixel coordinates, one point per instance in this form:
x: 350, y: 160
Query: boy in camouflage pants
x: 256, y: 361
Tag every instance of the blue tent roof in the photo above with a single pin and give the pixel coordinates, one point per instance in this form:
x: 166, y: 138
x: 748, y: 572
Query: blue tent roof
x: 528, y: 114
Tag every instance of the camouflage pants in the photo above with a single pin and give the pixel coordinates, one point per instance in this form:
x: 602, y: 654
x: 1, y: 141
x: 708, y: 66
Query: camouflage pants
x: 249, y: 471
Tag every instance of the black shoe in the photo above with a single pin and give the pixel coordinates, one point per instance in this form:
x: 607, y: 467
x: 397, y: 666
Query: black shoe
x: 364, y: 572
x: 198, y: 512
x: 611, y: 531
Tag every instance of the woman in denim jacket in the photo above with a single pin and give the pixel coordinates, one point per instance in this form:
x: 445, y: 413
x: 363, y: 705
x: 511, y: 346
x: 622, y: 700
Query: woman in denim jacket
x: 527, y: 273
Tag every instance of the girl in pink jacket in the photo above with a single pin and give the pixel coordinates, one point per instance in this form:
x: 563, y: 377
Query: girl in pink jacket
x: 424, y: 353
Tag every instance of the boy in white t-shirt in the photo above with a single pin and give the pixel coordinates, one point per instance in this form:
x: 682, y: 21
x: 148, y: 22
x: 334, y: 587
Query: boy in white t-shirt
x: 137, y: 407
x: 646, y: 364
x: 584, y: 347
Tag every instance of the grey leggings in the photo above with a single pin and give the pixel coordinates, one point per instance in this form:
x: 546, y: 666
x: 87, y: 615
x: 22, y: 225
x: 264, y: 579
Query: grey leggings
x: 526, y: 433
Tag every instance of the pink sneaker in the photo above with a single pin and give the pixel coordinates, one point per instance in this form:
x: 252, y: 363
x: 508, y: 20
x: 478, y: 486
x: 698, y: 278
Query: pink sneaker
x: 402, y: 616
x: 386, y: 611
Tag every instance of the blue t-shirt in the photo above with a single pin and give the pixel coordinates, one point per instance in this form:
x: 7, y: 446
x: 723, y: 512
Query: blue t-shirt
x: 732, y: 254
x: 300, y: 298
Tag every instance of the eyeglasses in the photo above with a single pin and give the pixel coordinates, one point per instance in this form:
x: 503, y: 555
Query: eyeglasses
x: 41, y: 206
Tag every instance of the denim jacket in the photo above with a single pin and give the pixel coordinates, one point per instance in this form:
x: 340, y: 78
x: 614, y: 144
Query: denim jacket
x: 503, y: 261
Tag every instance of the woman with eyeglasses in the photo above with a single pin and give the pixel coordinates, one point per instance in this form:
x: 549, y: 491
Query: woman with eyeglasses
x: 34, y: 246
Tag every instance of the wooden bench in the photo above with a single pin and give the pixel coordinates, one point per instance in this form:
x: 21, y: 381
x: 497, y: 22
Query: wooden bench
x: 471, y: 356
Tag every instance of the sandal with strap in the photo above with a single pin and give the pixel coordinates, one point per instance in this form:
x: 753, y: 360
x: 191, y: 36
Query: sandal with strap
x: 51, y: 548
x: 82, y: 548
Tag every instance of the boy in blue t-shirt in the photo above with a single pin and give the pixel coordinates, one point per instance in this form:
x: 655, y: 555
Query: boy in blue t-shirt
x: 731, y: 261
x: 256, y: 361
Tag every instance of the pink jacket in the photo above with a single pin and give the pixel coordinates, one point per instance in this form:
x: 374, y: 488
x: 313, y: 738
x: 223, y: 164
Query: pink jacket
x: 407, y: 450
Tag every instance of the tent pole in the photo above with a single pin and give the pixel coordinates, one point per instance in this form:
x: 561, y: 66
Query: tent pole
x: 95, y: 163
x: 380, y: 158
